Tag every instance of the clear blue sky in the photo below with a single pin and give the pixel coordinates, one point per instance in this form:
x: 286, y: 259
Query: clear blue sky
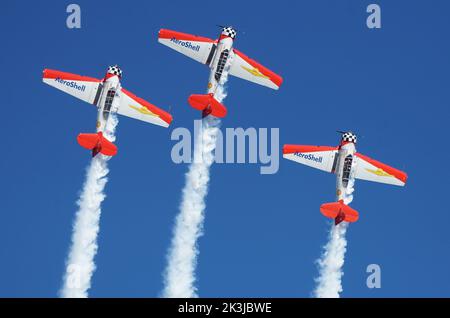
x: 262, y: 232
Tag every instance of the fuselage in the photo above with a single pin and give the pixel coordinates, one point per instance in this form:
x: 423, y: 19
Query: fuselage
x: 108, y: 100
x: 219, y: 62
x: 344, y: 168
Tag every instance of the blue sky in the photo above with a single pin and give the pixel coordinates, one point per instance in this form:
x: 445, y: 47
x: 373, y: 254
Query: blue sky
x: 262, y: 232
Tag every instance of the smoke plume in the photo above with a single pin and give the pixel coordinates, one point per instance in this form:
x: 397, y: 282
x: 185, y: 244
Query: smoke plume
x: 80, y: 263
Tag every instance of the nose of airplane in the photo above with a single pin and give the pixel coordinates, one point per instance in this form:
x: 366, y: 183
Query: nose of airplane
x: 349, y: 137
x: 115, y: 70
x: 230, y: 32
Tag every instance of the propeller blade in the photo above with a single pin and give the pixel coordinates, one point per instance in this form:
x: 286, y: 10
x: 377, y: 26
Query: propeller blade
x: 223, y: 27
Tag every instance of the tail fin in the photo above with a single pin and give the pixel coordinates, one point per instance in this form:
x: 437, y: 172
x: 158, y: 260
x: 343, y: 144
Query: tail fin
x: 97, y: 143
x: 208, y: 104
x: 339, y: 212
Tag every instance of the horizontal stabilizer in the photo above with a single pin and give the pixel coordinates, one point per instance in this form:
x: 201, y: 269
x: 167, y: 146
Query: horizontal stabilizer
x: 339, y: 212
x: 97, y: 143
x: 208, y: 105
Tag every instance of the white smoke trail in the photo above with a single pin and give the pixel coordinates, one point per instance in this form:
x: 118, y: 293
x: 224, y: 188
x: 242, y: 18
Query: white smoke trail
x: 179, y: 277
x: 80, y: 263
x: 329, y: 282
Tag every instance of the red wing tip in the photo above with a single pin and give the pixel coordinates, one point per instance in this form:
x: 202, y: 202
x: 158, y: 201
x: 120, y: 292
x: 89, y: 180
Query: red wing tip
x: 404, y: 177
x: 280, y: 81
x: 169, y: 119
x: 45, y: 72
x: 161, y: 31
x: 287, y: 149
x: 276, y: 79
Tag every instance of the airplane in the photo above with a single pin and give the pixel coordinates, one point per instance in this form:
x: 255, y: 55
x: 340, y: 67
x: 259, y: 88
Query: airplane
x: 347, y: 164
x: 109, y: 97
x: 215, y: 54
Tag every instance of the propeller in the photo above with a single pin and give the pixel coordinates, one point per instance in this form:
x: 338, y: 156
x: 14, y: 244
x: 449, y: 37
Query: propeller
x: 223, y: 27
x: 343, y: 132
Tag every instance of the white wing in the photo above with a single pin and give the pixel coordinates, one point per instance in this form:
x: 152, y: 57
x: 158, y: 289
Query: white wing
x: 250, y: 70
x: 319, y: 157
x: 135, y: 107
x: 372, y: 170
x: 196, y: 47
x: 85, y: 88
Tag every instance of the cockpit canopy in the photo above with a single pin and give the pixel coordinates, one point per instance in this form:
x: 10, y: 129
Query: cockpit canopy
x: 229, y: 31
x: 349, y: 137
x: 115, y: 70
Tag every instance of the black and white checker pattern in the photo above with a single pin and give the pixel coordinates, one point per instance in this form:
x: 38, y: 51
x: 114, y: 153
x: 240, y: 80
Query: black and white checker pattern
x: 349, y: 137
x: 115, y: 70
x: 229, y: 31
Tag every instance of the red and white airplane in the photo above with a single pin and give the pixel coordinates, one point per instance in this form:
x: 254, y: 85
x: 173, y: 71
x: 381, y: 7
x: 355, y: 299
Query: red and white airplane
x: 347, y: 164
x: 109, y: 97
x: 215, y: 54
